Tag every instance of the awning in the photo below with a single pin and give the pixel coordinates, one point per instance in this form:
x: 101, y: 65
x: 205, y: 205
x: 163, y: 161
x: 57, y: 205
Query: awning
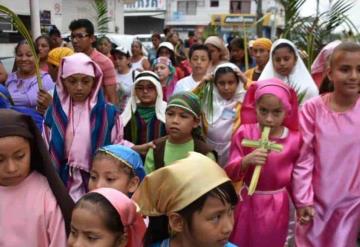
x: 155, y: 14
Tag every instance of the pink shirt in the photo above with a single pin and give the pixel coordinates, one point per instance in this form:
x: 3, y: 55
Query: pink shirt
x: 106, y: 66
x: 30, y: 215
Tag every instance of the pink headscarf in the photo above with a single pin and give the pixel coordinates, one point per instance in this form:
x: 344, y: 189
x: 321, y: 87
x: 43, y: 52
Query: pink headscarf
x: 278, y: 88
x: 318, y: 67
x: 132, y: 221
x: 78, y: 145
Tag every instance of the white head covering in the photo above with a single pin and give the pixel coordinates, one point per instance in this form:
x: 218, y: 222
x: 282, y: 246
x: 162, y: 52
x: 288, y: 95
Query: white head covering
x: 299, y: 78
x: 160, y: 105
x: 219, y: 103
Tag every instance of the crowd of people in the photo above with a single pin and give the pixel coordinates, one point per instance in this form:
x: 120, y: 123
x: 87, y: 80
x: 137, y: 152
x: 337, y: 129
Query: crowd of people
x: 122, y: 148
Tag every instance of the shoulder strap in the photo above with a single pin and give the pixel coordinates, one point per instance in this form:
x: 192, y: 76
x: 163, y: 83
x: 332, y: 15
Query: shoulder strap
x: 159, y: 152
x: 203, y: 148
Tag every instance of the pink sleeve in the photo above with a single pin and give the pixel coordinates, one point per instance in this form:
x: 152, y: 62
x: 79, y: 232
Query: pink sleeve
x: 55, y: 224
x: 302, y: 188
x: 117, y: 134
x: 233, y: 167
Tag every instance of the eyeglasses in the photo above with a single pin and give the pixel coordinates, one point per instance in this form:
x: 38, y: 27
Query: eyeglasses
x: 78, y: 36
x: 147, y: 88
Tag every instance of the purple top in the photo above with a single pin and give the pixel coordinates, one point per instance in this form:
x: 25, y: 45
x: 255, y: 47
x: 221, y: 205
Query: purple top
x: 24, y: 91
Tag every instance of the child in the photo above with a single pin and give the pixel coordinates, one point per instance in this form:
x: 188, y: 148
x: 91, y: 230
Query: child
x: 116, y: 167
x: 199, y: 60
x: 104, y: 46
x: 237, y: 54
x: 166, y: 72
x: 34, y: 207
x: 190, y: 203
x: 326, y: 182
x: 125, y: 74
x: 54, y: 59
x: 106, y: 217
x: 144, y: 115
x: 261, y: 50
x: 263, y: 217
x: 183, y: 115
x: 223, y: 111
x: 79, y: 122
x: 286, y: 64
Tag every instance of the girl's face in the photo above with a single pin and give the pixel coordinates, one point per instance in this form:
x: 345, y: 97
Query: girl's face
x: 212, y: 226
x: 344, y: 72
x: 270, y: 112
x: 215, y: 53
x: 227, y: 84
x: 108, y: 173
x: 43, y: 47
x: 15, y: 158
x: 164, y: 52
x: 179, y: 123
x: 237, y: 54
x: 199, y: 62
x: 88, y: 228
x: 79, y: 86
x: 284, y: 61
x: 104, y: 46
x: 121, y: 63
x: 162, y: 71
x: 146, y: 92
x: 24, y: 59
x: 135, y: 48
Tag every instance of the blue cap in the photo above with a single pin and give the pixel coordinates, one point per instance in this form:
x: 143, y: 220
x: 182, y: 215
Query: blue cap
x: 128, y: 156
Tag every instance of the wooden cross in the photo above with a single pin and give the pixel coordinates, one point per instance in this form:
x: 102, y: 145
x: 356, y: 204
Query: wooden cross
x: 261, y: 143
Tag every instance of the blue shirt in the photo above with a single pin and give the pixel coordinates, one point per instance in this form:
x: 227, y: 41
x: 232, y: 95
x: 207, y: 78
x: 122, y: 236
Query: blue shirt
x: 166, y: 243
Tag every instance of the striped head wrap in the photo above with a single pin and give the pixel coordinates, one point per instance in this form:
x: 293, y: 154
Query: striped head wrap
x: 187, y: 101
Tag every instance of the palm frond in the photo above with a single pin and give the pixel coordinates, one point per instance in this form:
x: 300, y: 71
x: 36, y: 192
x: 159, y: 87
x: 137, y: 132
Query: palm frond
x: 102, y: 17
x: 19, y: 25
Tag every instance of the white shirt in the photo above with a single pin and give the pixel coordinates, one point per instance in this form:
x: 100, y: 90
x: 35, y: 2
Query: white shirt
x: 185, y: 84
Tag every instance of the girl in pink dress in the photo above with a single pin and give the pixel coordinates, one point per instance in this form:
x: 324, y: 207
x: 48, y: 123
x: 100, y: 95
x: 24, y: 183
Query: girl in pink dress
x: 262, y: 219
x: 326, y: 181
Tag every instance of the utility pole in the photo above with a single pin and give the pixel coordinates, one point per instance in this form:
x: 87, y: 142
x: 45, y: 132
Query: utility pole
x: 259, y: 27
x: 35, y: 18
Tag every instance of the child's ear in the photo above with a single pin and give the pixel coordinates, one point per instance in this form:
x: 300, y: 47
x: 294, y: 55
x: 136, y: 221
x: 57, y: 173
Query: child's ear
x: 122, y: 241
x: 329, y: 73
x: 176, y: 222
x: 133, y: 184
x: 196, y: 122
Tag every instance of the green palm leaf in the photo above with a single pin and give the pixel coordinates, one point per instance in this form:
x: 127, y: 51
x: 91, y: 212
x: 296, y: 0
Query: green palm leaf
x: 101, y: 15
x: 19, y: 25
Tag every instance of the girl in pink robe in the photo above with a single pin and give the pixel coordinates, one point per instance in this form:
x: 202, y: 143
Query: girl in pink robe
x: 326, y: 180
x: 262, y: 219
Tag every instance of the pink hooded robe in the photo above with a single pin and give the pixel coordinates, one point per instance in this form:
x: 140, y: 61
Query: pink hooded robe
x: 261, y: 220
x: 327, y: 174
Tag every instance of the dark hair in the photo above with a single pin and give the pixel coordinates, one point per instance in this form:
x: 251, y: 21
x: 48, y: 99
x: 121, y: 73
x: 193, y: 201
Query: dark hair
x: 54, y: 31
x: 39, y: 38
x: 224, y: 70
x: 156, y: 35
x: 285, y: 45
x: 172, y: 55
x: 239, y: 44
x: 79, y: 23
x: 113, y: 46
x: 197, y: 47
x: 344, y: 47
x: 158, y: 226
x: 111, y: 217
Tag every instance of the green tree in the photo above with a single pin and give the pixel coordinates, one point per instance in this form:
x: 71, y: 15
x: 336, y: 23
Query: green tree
x: 102, y: 18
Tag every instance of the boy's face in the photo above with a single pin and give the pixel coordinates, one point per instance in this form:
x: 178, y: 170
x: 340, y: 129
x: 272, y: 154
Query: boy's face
x: 344, y: 72
x: 15, y: 156
x: 146, y: 92
x: 108, y: 173
x: 179, y: 123
x: 237, y: 54
x: 78, y: 86
x: 212, y: 226
x: 81, y: 40
x: 261, y: 55
x: 199, y: 62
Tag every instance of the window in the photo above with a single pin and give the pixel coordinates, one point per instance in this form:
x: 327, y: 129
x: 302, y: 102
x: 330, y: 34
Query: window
x: 5, y: 23
x: 240, y: 6
x: 187, y: 7
x: 214, y: 3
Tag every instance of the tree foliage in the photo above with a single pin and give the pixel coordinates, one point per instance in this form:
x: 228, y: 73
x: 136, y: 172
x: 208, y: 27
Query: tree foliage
x: 102, y: 18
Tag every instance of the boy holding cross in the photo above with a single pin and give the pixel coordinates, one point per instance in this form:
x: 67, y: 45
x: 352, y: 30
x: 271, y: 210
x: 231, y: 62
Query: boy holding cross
x: 269, y: 112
